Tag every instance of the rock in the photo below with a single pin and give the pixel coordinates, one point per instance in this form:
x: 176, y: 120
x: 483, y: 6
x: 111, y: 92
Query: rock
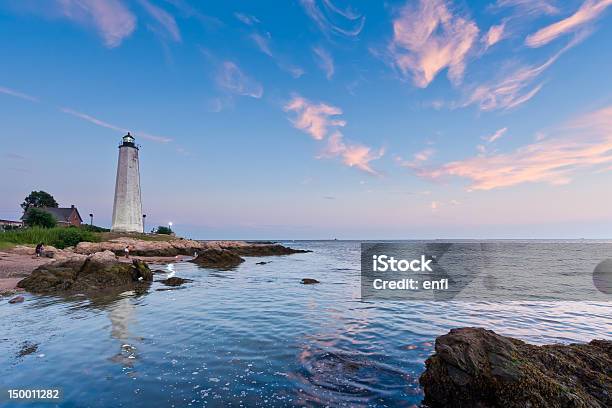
x: 17, y: 299
x: 86, y: 273
x: 264, y: 250
x: 218, y: 258
x: 309, y: 281
x: 27, y: 348
x: 474, y: 367
x: 181, y: 247
x: 261, y: 263
x: 174, y: 281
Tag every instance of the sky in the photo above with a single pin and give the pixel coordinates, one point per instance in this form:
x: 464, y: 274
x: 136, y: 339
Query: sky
x: 316, y: 119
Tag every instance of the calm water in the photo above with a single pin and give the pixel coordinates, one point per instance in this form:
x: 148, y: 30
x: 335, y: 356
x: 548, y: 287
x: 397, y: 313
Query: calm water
x: 255, y: 336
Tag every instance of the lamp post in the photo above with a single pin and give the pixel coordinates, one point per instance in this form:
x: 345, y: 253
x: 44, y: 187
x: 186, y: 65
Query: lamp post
x: 144, y: 230
x: 90, y: 219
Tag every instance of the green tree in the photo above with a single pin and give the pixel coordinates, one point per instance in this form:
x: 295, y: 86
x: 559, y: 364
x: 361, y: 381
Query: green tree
x: 36, y: 217
x: 163, y: 230
x: 38, y: 199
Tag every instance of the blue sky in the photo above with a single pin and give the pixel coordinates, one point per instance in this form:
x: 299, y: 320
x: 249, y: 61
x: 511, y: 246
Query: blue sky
x: 316, y: 118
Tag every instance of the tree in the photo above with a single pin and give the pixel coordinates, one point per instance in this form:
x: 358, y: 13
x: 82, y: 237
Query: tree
x: 164, y: 230
x: 36, y: 217
x: 38, y: 199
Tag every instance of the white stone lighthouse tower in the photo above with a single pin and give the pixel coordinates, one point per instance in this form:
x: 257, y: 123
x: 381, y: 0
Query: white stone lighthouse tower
x: 127, y: 209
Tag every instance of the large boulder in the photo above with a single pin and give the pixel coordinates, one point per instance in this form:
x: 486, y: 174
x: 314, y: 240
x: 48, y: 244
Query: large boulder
x: 474, y: 367
x: 218, y: 258
x: 85, y: 274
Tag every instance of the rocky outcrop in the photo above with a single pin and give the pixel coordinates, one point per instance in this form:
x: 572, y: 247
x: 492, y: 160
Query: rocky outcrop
x: 218, y: 258
x: 174, y: 281
x: 474, y: 367
x: 264, y: 250
x: 81, y: 273
x: 141, y: 248
x: 181, y: 247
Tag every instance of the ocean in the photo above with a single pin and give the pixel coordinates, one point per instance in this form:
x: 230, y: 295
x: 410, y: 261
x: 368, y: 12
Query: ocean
x: 255, y: 336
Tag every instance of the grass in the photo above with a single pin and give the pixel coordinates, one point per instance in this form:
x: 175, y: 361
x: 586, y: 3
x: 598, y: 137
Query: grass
x: 6, y: 245
x: 62, y: 237
x: 58, y: 237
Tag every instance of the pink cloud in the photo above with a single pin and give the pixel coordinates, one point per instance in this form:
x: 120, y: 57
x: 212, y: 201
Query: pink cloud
x: 111, y: 18
x: 418, y: 159
x: 352, y: 154
x: 429, y: 38
x: 165, y: 19
x: 495, y: 136
x: 107, y: 125
x: 325, y: 61
x: 515, y: 88
x: 317, y: 120
x: 314, y: 118
x: 583, y: 144
x: 494, y: 35
x: 589, y: 11
x: 529, y: 7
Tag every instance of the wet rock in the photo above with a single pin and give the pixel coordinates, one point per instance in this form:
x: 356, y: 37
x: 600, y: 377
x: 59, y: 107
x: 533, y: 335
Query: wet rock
x: 309, y: 281
x: 474, y: 367
x: 265, y: 250
x: 17, y: 299
x: 85, y: 274
x: 27, y: 348
x: 174, y: 281
x: 218, y: 258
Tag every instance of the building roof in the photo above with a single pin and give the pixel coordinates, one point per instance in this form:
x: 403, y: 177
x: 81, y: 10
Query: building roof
x: 61, y: 214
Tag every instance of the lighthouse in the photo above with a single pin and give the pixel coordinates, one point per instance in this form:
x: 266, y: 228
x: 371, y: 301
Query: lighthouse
x: 127, y: 208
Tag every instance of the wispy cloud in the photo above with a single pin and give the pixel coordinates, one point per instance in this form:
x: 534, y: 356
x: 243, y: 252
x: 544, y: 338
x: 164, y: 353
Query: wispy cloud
x: 529, y: 7
x: 418, y: 159
x: 163, y: 18
x: 316, y: 119
x: 107, y: 125
x: 263, y: 43
x: 111, y: 18
x: 17, y: 94
x: 582, y: 144
x: 14, y: 156
x: 332, y: 20
x: 589, y: 11
x: 231, y: 78
x: 495, y: 136
x: 514, y: 89
x: 428, y: 38
x: 325, y: 61
x: 319, y: 121
x: 494, y: 35
x: 246, y: 19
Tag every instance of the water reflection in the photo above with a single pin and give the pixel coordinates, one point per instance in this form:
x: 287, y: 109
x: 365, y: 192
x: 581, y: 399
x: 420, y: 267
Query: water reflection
x: 122, y: 314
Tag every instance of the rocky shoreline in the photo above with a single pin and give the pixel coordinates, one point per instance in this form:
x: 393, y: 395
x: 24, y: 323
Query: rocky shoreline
x: 474, y: 367
x: 92, y: 266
